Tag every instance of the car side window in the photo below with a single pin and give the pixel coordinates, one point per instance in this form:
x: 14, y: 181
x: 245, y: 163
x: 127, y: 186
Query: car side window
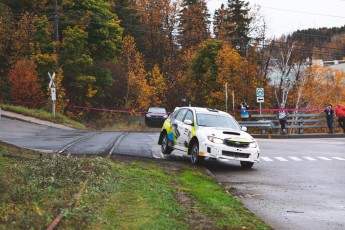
x: 189, y: 116
x: 181, y: 114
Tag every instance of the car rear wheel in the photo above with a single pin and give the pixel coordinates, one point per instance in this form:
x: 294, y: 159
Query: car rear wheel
x: 246, y: 164
x: 165, y: 148
x: 194, y: 154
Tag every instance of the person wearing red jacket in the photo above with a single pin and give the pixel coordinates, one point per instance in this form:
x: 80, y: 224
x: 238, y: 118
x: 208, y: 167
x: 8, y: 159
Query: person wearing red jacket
x: 340, y: 112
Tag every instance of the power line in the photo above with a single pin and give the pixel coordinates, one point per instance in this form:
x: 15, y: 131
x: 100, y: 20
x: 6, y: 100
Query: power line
x: 303, y: 12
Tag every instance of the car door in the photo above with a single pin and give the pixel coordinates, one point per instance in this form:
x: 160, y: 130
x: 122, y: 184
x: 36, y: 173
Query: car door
x: 177, y: 127
x: 185, y: 129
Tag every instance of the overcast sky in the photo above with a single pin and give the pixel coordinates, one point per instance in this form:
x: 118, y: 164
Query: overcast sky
x: 286, y: 16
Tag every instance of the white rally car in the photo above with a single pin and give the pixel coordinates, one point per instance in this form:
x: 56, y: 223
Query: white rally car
x: 202, y: 132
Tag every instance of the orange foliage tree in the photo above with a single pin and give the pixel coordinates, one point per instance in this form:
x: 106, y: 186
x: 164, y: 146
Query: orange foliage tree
x: 322, y: 85
x: 239, y: 73
x: 157, y: 82
x: 138, y: 91
x: 25, y: 86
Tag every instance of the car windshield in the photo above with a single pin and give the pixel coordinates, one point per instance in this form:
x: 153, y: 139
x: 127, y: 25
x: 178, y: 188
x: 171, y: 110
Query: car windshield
x: 157, y: 110
x: 216, y: 120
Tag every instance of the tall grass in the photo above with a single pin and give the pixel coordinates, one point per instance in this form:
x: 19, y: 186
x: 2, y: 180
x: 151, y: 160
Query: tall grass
x: 44, y: 115
x: 103, y: 193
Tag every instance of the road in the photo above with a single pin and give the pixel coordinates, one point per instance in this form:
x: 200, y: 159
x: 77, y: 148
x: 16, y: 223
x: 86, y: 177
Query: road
x: 299, y: 183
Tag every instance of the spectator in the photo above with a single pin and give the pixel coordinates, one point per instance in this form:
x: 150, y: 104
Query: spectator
x: 282, y: 115
x: 244, y: 111
x: 329, y: 117
x: 340, y: 112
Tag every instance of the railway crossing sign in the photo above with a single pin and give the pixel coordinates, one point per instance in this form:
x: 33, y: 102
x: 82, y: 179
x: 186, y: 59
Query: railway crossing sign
x: 52, y: 90
x: 51, y: 83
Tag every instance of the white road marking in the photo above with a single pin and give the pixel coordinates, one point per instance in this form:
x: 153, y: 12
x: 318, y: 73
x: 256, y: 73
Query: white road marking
x: 324, y: 158
x: 266, y: 159
x: 339, y: 158
x: 281, y: 159
x: 310, y: 158
x: 304, y: 141
x: 295, y: 158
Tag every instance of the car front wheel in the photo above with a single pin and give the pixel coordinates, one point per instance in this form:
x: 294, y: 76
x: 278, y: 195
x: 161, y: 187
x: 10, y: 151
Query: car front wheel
x: 194, y: 154
x: 246, y: 164
x: 165, y: 148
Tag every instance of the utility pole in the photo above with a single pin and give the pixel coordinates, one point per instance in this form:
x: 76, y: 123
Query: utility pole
x: 56, y: 27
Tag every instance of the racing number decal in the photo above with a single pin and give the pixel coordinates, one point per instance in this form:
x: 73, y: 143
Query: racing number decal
x: 186, y: 132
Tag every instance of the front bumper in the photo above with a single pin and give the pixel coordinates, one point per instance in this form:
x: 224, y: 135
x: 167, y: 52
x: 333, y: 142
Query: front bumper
x: 222, y: 151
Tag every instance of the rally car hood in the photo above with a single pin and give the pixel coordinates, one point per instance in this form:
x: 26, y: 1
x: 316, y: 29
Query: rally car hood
x: 224, y: 133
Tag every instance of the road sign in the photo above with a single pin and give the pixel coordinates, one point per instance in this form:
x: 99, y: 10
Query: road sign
x: 53, y: 92
x: 260, y: 99
x: 51, y: 83
x: 260, y: 92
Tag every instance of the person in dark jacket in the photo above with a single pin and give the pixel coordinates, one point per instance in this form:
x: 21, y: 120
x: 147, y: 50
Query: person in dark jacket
x: 329, y: 117
x: 244, y: 111
x: 282, y: 115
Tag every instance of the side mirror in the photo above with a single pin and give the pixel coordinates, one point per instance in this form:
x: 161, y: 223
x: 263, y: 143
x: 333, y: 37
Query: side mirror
x: 244, y: 128
x: 188, y: 122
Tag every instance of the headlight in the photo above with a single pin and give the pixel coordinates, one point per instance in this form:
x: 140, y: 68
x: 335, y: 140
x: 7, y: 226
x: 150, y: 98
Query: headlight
x: 253, y: 144
x: 148, y: 115
x: 165, y: 116
x: 215, y: 140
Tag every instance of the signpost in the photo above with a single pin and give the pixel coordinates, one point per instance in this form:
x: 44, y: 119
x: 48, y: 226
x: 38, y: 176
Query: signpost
x: 52, y: 91
x: 260, y: 96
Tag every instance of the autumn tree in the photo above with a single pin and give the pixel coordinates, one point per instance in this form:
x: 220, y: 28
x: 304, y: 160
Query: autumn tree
x: 25, y: 87
x: 233, y: 23
x: 320, y: 85
x: 7, y: 30
x: 334, y: 49
x: 203, y: 72
x: 76, y: 59
x: 194, y: 23
x: 155, y: 24
x: 137, y: 95
x: 159, y: 87
x: 23, y: 45
x: 44, y: 53
x: 219, y: 23
x: 240, y: 74
x: 91, y: 38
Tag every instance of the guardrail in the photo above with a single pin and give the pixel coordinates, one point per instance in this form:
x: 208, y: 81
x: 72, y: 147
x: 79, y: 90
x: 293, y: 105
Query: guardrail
x: 269, y: 122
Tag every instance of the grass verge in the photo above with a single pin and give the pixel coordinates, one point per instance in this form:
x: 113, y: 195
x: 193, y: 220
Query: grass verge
x: 121, y: 193
x: 43, y: 115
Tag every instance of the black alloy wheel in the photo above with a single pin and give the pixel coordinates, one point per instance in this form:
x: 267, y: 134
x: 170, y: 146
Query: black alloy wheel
x: 194, y: 154
x: 165, y: 148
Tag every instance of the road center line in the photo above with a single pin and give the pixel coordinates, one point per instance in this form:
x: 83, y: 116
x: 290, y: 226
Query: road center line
x: 324, y: 158
x: 339, y: 158
x: 310, y: 158
x: 281, y: 159
x: 295, y: 158
x: 266, y: 158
